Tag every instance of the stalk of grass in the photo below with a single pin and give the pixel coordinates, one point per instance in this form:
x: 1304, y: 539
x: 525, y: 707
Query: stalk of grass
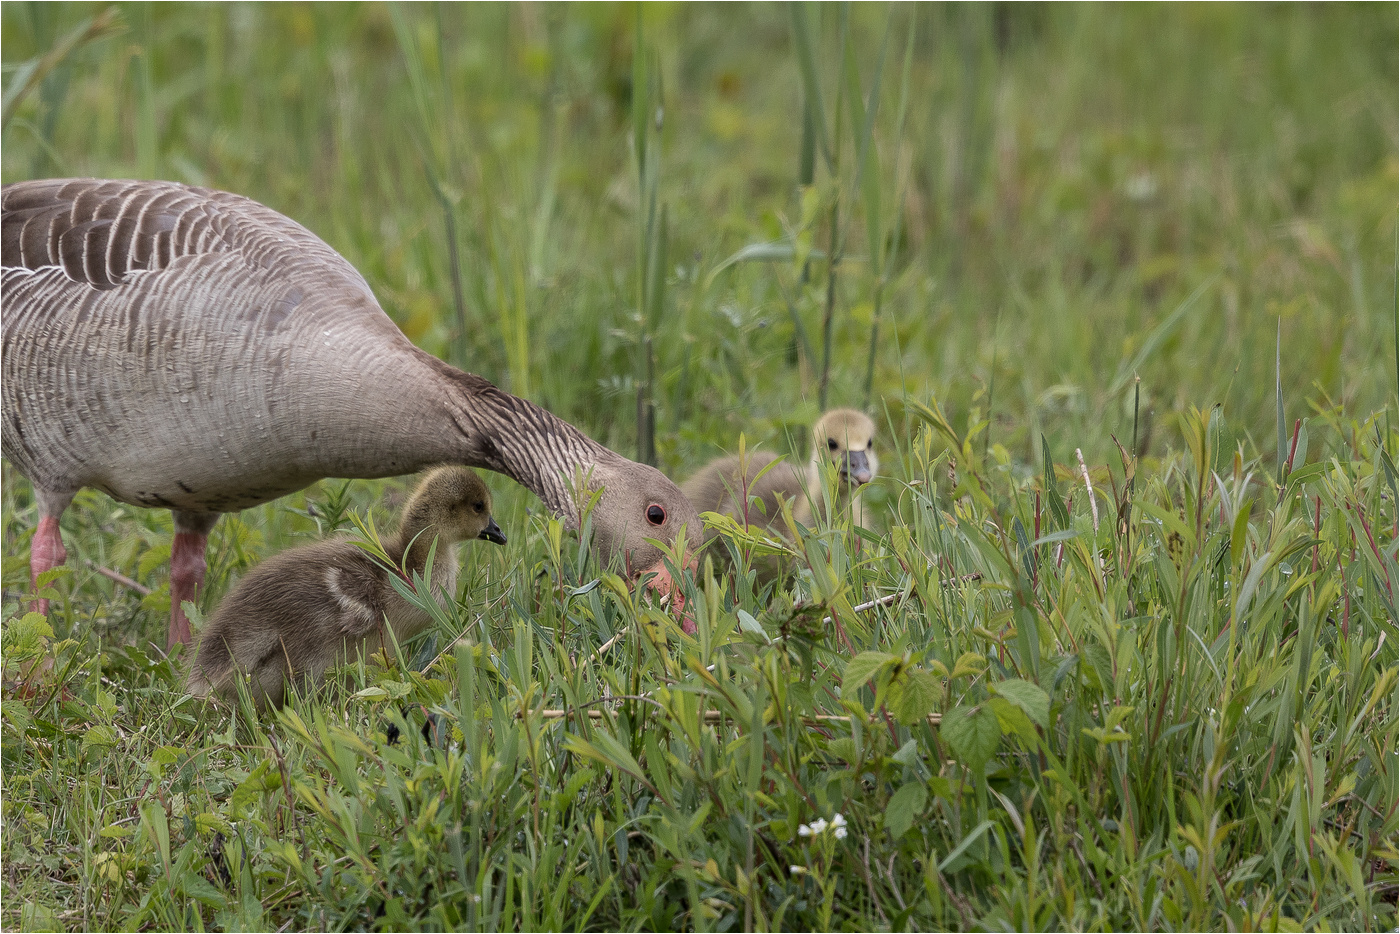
x: 33, y: 72
x: 147, y: 145
x: 433, y: 135
x: 880, y: 260
x: 652, y: 232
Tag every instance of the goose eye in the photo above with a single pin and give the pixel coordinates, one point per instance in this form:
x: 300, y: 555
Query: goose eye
x: 655, y: 514
x: 478, y: 506
x: 831, y: 444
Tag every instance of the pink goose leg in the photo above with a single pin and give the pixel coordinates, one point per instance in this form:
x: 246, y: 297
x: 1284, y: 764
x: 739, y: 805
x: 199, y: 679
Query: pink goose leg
x: 187, y: 567
x: 46, y: 551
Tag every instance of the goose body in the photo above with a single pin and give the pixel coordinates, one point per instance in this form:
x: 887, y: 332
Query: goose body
x: 304, y: 610
x: 192, y: 349
x: 842, y: 440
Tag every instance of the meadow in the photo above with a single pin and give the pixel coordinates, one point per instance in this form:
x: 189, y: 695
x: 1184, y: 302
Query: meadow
x: 1116, y: 648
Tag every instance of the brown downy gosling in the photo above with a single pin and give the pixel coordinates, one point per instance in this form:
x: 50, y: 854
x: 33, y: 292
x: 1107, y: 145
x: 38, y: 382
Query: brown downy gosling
x: 842, y: 438
x: 304, y: 610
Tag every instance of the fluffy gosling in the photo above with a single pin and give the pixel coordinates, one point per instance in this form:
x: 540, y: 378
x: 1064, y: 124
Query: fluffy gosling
x: 304, y: 610
x: 842, y: 439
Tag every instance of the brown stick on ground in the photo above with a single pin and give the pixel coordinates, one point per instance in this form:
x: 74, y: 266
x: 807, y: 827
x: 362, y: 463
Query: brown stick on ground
x: 122, y: 579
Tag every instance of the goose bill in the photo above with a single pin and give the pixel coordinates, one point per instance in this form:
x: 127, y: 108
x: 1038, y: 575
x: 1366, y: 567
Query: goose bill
x: 493, y: 533
x: 668, y: 591
x: 856, y: 467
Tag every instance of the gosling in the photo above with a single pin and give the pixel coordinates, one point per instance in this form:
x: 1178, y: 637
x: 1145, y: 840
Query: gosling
x: 307, y: 609
x: 841, y: 438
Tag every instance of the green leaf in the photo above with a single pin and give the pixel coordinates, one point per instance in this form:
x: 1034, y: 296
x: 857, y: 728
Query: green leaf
x: 1012, y: 719
x: 1154, y: 340
x: 26, y: 636
x: 772, y: 251
x: 913, y: 695
x: 968, y: 663
x: 154, y: 557
x: 198, y: 888
x: 1251, y: 583
x: 973, y: 732
x: 967, y: 841
x: 608, y: 751
x: 905, y: 804
x: 749, y: 624
x: 1052, y: 488
x: 100, y: 736
x: 1101, y: 663
x: 1029, y: 697
x: 262, y: 779
x: 811, y: 86
x: 861, y: 669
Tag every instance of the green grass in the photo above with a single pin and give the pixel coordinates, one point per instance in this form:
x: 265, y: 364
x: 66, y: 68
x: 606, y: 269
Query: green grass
x: 1178, y: 711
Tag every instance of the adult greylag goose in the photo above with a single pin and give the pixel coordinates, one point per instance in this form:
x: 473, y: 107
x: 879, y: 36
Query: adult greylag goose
x: 842, y: 438
x: 192, y: 349
x: 304, y: 610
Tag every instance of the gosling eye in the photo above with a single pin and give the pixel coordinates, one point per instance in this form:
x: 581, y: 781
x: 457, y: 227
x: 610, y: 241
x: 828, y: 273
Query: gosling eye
x: 479, y: 506
x: 831, y: 444
x: 656, y: 515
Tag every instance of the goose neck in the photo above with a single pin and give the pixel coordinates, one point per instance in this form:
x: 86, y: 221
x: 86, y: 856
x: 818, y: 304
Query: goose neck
x: 527, y: 443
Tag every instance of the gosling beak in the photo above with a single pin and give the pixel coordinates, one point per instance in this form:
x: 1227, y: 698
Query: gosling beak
x: 492, y: 533
x: 664, y: 585
x: 855, y: 468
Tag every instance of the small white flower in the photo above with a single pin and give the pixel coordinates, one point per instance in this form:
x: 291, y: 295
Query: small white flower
x: 797, y: 870
x: 804, y: 831
x: 818, y: 825
x: 838, y: 821
x: 840, y: 833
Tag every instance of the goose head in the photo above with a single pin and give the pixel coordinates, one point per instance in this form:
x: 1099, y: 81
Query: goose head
x: 638, y: 503
x: 846, y: 438
x: 454, y: 504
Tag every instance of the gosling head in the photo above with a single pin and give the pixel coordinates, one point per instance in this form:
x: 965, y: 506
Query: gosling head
x: 846, y: 438
x: 454, y: 504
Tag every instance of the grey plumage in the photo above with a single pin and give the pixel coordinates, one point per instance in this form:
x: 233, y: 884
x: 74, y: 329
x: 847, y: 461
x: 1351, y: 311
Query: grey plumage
x: 192, y: 349
x: 304, y: 610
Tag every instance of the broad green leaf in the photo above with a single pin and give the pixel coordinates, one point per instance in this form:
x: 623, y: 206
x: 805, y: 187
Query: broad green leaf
x: 749, y: 624
x: 100, y: 736
x: 1052, y: 488
x: 973, y: 732
x: 25, y: 636
x: 913, y: 695
x: 1012, y: 719
x: 1029, y: 697
x: 1100, y: 662
x: 905, y: 805
x: 968, y: 663
x: 861, y: 669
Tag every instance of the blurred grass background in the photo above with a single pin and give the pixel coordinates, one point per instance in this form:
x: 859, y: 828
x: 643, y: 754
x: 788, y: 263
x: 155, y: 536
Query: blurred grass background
x: 1066, y: 177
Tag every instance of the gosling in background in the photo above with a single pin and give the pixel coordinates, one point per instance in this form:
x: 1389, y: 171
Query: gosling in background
x: 304, y: 610
x: 843, y: 438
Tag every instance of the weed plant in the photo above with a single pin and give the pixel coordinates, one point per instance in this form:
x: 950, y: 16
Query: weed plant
x: 1062, y: 682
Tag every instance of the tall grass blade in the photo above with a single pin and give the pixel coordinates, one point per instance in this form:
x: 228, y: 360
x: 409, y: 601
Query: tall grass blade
x: 882, y: 272
x: 1282, y: 428
x: 814, y: 109
x: 147, y: 143
x: 28, y: 75
x: 1160, y: 333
